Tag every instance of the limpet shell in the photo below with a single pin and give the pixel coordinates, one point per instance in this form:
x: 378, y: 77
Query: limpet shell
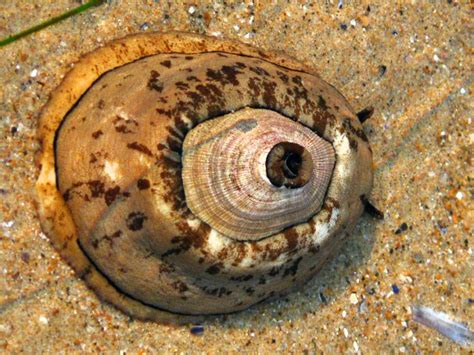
x: 184, y: 175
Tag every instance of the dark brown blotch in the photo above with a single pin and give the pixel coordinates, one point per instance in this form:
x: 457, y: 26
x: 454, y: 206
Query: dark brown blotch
x: 97, y: 134
x: 154, y: 82
x: 214, y: 269
x: 135, y: 221
x: 111, y: 194
x: 292, y: 270
x: 143, y: 184
x: 166, y: 63
x: 140, y: 147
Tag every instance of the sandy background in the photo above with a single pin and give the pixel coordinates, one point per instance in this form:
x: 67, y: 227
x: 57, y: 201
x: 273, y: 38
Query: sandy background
x: 412, y: 63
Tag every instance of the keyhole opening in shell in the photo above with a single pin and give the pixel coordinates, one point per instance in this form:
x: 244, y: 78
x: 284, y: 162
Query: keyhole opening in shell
x: 289, y: 165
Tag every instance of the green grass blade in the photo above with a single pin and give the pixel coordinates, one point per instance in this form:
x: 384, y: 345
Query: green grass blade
x: 50, y: 22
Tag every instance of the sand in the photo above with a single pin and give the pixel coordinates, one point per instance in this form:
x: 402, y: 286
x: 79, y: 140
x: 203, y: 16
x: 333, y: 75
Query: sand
x: 413, y: 63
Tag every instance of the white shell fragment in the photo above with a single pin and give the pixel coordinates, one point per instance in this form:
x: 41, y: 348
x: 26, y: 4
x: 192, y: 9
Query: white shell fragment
x: 443, y: 323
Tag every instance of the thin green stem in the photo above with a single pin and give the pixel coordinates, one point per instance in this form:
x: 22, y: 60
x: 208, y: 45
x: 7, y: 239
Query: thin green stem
x: 50, y: 22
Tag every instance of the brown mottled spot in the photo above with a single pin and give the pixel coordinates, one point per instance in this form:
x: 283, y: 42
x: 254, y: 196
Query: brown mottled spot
x: 179, y: 286
x: 269, y: 94
x: 297, y: 80
x: 182, y: 86
x: 96, y: 188
x: 140, y: 147
x: 135, y: 221
x: 193, y: 78
x: 314, y: 249
x: 214, y: 269
x: 111, y: 194
x: 166, y: 63
x: 160, y: 146
x: 153, y: 82
x: 143, y: 184
x: 241, y: 278
x: 166, y: 268
x: 359, y: 132
x: 174, y: 144
x: 259, y: 71
x: 275, y: 270
x: 110, y: 238
x: 97, y: 134
x: 189, y: 57
x: 227, y: 75
x: 292, y: 238
x: 253, y: 85
x: 101, y: 104
x: 183, y: 244
x: 249, y: 290
x: 293, y: 268
x: 123, y: 125
x: 322, y: 103
x: 283, y: 76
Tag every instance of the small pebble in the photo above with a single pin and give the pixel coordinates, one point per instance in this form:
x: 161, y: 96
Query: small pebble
x: 363, y: 307
x: 353, y: 23
x: 43, y: 320
x: 7, y: 224
x: 459, y: 195
x: 191, y: 10
x: 356, y: 346
x: 197, y: 330
x: 145, y: 26
x: 462, y: 91
x: 343, y: 26
x: 382, y: 70
x: 364, y: 21
x: 395, y: 289
x: 34, y: 73
x: 353, y: 298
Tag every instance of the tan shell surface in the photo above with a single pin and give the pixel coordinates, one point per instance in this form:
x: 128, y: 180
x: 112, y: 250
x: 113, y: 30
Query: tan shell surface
x: 120, y: 217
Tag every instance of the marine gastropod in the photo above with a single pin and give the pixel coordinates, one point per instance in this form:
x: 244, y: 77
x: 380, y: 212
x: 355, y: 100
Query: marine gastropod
x: 184, y: 175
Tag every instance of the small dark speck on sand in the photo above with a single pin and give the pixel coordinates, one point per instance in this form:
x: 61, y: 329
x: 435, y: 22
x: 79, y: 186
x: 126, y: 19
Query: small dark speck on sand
x: 395, y: 289
x: 403, y: 227
x: 343, y: 26
x: 322, y: 298
x: 197, y: 330
x: 25, y: 257
x: 382, y: 70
